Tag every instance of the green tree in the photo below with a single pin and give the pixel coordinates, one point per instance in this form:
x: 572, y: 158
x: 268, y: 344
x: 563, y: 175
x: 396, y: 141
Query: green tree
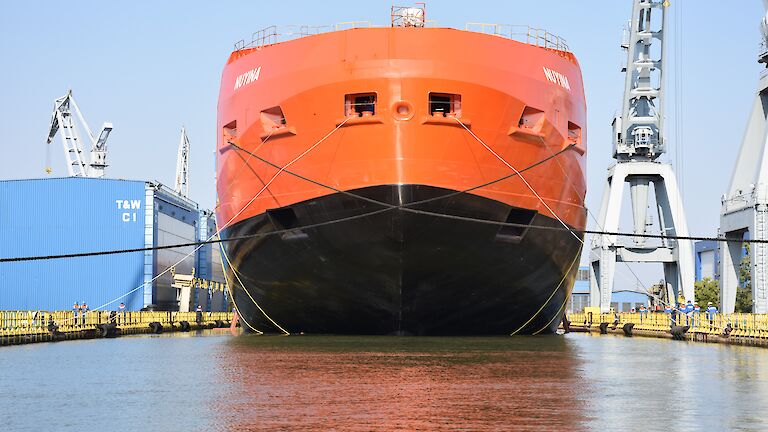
x: 707, y: 290
x: 744, y: 290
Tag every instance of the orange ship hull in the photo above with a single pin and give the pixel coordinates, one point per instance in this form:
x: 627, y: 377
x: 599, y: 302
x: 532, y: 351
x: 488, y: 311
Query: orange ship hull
x: 372, y: 151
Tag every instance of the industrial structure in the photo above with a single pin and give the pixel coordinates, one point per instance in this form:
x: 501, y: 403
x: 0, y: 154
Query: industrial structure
x: 182, y: 165
x: 72, y: 215
x: 744, y: 208
x: 87, y: 213
x: 707, y: 257
x: 638, y: 138
x: 621, y: 301
x: 64, y: 122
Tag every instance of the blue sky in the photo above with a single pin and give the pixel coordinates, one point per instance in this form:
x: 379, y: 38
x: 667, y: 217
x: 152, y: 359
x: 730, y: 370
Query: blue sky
x: 149, y: 67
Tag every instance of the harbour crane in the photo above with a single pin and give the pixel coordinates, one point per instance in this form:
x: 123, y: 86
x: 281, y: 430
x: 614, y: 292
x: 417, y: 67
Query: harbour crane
x: 744, y: 207
x: 182, y: 165
x: 638, y: 141
x: 63, y: 120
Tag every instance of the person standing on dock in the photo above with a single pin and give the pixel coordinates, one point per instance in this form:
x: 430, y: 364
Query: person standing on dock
x: 688, y: 312
x: 696, y: 314
x: 83, y: 312
x: 668, y: 310
x: 75, y: 313
x: 711, y: 312
x: 121, y: 313
x: 199, y: 314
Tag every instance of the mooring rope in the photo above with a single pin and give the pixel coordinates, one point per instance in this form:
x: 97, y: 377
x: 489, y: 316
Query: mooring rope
x: 266, y: 185
x: 521, y: 178
x: 234, y: 272
x: 218, y: 230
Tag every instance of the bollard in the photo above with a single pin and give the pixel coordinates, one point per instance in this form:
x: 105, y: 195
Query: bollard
x: 185, y: 327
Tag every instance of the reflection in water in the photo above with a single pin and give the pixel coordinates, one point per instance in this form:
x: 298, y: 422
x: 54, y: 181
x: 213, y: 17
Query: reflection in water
x: 210, y: 381
x: 403, y: 383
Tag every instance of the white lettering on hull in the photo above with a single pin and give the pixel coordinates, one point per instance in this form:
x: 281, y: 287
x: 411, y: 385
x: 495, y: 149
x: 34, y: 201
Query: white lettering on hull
x: 248, y: 77
x: 557, y: 78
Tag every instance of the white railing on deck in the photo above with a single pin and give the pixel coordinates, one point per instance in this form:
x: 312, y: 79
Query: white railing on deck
x: 521, y: 33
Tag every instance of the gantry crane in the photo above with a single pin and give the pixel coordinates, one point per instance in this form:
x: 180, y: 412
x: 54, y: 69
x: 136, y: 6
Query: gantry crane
x: 744, y: 208
x: 638, y: 141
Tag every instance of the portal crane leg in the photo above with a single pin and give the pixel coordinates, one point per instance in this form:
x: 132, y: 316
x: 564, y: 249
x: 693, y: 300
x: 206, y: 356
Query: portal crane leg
x: 676, y: 255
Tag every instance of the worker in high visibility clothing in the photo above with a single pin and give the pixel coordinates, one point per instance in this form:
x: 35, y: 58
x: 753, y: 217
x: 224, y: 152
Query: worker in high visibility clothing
x: 696, y: 314
x: 83, y: 311
x: 121, y: 313
x: 199, y: 314
x: 75, y: 313
x: 711, y: 312
x: 687, y: 310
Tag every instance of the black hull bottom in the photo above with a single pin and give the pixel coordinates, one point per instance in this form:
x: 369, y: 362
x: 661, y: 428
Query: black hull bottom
x: 397, y: 272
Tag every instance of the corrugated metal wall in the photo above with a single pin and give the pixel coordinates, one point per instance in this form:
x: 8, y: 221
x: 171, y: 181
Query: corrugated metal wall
x: 70, y: 215
x: 176, y: 222
x: 75, y: 215
x: 209, y: 263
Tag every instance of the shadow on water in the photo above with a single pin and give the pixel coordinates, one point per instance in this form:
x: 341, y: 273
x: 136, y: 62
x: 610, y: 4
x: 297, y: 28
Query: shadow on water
x: 403, y: 383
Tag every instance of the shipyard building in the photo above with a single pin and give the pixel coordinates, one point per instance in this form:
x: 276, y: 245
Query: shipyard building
x: 76, y: 215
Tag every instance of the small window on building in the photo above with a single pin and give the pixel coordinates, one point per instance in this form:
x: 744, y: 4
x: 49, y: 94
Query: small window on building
x: 530, y: 117
x: 272, y: 118
x: 360, y: 104
x: 574, y: 133
x: 442, y: 104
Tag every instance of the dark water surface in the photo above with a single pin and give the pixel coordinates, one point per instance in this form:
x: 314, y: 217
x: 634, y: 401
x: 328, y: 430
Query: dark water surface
x: 215, y: 382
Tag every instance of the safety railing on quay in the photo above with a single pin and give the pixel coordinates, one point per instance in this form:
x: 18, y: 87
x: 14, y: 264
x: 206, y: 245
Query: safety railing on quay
x: 20, y: 323
x: 732, y: 325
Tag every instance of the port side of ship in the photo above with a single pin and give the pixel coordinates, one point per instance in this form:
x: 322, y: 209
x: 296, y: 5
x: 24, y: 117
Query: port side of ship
x: 384, y: 157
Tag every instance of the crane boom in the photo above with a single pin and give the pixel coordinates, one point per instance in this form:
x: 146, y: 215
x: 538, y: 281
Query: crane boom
x: 63, y: 123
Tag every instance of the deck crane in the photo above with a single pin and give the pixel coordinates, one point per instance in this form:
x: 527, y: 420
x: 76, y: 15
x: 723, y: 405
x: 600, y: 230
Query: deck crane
x: 63, y: 120
x: 182, y: 165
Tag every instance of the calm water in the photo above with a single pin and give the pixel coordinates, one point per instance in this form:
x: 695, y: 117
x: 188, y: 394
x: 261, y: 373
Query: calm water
x: 213, y: 381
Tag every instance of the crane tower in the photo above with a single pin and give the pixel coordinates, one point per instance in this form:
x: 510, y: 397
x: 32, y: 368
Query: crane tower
x: 638, y: 141
x: 744, y: 208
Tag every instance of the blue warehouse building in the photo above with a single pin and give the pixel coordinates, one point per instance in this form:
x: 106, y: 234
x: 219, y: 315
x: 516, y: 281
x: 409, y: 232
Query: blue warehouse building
x: 622, y: 301
x: 707, y: 255
x: 74, y: 215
